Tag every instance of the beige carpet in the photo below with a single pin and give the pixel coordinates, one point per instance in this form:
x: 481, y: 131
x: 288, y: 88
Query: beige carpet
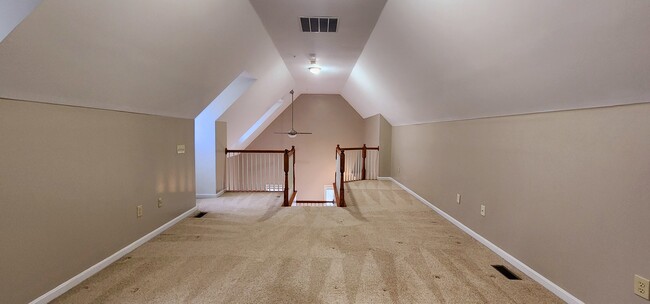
x: 386, y: 247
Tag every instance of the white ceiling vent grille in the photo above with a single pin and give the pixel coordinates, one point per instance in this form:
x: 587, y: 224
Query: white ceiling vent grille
x: 319, y: 24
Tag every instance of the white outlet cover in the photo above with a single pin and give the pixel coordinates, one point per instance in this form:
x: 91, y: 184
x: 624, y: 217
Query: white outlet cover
x: 641, y: 287
x: 458, y: 198
x: 180, y: 149
x: 483, y: 210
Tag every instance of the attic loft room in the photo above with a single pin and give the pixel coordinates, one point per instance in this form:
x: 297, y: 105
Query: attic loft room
x: 324, y: 151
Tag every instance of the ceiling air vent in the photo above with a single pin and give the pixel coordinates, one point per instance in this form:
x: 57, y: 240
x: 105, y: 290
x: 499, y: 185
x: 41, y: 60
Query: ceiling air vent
x: 319, y: 24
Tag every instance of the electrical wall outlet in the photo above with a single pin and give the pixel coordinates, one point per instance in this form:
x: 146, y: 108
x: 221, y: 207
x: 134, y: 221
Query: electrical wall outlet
x: 641, y: 285
x: 160, y: 202
x: 458, y: 198
x: 139, y: 210
x: 483, y: 210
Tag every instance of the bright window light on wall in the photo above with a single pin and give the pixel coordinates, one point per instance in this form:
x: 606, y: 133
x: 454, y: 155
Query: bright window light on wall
x: 260, y: 121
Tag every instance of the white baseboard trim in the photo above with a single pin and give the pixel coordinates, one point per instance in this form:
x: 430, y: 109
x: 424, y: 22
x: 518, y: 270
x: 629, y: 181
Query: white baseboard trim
x: 382, y: 178
x: 201, y: 196
x: 557, y: 290
x: 69, y: 284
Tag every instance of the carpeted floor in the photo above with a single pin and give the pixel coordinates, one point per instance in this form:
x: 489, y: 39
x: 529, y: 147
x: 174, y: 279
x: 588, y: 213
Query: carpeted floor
x: 386, y: 247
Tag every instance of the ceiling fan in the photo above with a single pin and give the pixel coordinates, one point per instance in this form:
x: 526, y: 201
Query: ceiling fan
x: 292, y: 133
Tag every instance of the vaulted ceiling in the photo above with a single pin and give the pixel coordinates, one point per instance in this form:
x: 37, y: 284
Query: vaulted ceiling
x: 448, y: 60
x: 413, y: 61
x: 336, y: 52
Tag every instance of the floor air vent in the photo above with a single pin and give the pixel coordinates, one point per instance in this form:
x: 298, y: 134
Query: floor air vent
x: 506, y: 272
x: 200, y: 215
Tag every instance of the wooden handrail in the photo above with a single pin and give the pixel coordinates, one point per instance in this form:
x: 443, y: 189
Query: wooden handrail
x: 340, y: 152
x: 288, y: 197
x: 361, y: 148
x: 254, y: 151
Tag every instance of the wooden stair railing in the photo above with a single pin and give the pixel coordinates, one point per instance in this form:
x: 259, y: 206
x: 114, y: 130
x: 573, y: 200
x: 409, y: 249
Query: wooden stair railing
x: 348, y: 170
x: 262, y: 171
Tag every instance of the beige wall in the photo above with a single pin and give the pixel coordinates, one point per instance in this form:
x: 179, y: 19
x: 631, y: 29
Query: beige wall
x: 371, y: 131
x: 385, y: 146
x: 566, y: 192
x: 70, y: 181
x: 333, y: 121
x: 379, y: 132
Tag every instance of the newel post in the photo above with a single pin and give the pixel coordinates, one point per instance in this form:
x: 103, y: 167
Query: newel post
x: 342, y: 185
x: 286, y: 178
x: 363, y: 156
x: 336, y: 155
x: 293, y: 169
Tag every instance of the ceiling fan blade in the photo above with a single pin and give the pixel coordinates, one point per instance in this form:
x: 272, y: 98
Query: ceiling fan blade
x: 292, y: 133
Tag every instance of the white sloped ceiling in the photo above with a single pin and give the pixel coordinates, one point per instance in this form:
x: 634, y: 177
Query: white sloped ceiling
x: 12, y: 12
x: 447, y: 60
x: 169, y: 58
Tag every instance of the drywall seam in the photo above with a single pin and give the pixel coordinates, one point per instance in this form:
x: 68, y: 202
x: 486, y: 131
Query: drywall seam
x: 69, y: 284
x: 557, y: 290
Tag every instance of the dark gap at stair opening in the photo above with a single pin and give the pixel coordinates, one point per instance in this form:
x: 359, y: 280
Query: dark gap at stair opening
x: 506, y: 272
x: 200, y: 215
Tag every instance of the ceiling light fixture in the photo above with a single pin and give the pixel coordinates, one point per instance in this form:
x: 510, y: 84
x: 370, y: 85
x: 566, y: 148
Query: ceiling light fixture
x: 314, y: 68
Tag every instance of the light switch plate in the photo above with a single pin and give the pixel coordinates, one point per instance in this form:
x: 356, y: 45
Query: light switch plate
x: 458, y: 198
x: 483, y: 210
x: 160, y: 202
x: 180, y: 149
x: 641, y: 286
x: 139, y: 211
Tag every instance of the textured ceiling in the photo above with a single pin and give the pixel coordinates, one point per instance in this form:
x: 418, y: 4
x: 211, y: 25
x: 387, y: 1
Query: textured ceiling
x: 448, y: 60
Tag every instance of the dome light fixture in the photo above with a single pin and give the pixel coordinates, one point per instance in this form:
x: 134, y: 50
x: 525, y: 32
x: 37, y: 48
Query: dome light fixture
x: 313, y: 67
